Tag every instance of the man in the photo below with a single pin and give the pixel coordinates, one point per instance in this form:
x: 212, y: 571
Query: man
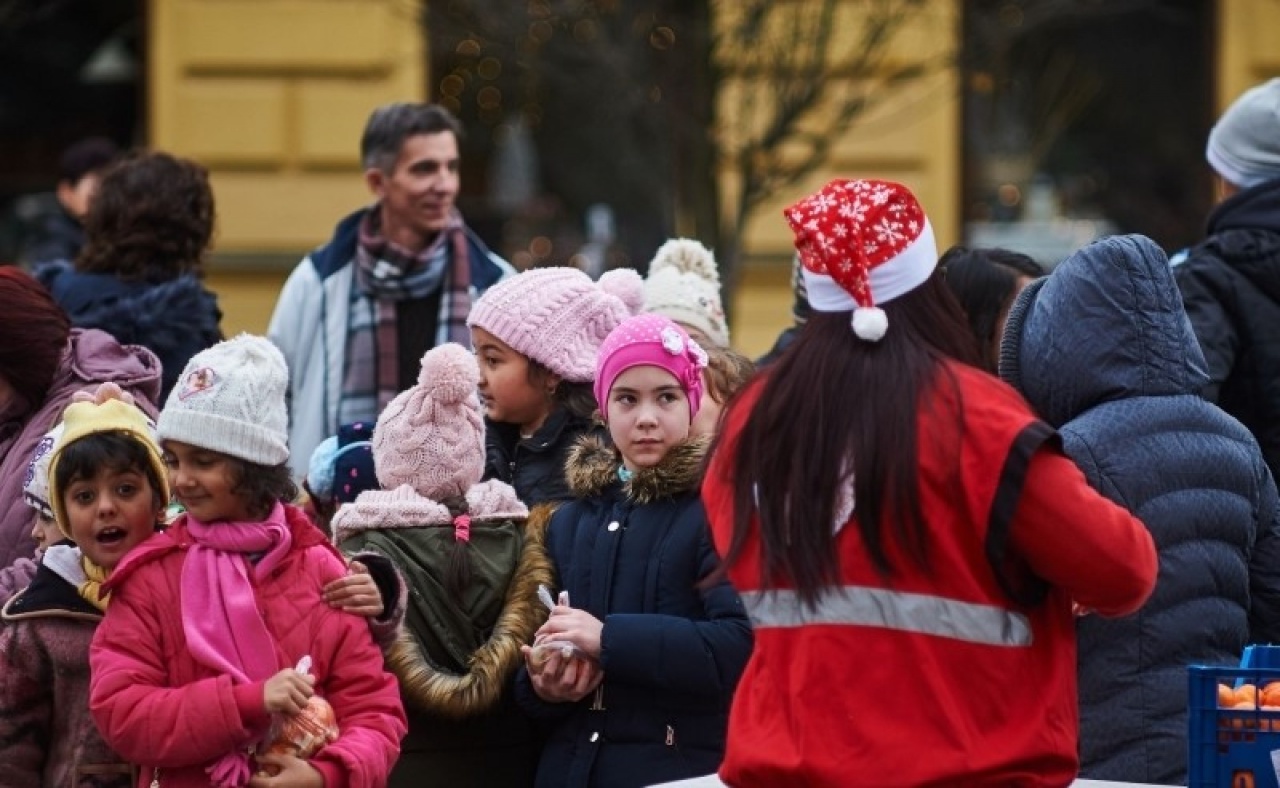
x: 1230, y: 282
x: 397, y: 278
x: 57, y: 234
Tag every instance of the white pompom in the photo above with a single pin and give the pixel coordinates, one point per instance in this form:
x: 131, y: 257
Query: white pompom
x: 870, y: 323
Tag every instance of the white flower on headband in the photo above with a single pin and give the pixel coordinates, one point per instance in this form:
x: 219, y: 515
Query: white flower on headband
x: 672, y: 342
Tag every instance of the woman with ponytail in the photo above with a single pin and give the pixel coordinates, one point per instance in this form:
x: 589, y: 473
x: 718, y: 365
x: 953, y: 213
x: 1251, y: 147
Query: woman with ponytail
x: 473, y: 571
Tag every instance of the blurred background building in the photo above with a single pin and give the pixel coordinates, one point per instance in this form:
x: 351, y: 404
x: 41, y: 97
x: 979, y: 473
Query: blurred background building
x: 597, y: 128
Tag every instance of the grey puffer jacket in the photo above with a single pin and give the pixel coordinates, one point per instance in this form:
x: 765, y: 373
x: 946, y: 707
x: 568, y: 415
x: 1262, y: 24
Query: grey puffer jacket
x: 1103, y: 350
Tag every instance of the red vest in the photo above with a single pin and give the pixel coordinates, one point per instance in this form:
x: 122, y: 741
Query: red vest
x: 939, y: 678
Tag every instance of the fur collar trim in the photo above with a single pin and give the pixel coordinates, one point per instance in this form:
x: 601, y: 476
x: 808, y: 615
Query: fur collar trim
x: 492, y: 665
x: 592, y: 468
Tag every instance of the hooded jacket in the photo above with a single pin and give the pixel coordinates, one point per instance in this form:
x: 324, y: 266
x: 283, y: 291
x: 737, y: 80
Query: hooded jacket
x: 535, y: 466
x: 174, y: 319
x: 1230, y: 285
x: 455, y: 658
x: 157, y: 705
x: 632, y: 555
x: 1103, y: 351
x: 92, y: 357
x: 47, y: 737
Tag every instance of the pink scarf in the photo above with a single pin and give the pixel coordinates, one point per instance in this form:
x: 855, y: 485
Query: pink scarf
x: 220, y: 617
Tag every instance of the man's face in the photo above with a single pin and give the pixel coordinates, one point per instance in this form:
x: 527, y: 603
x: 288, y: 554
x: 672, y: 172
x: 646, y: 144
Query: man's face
x: 418, y: 194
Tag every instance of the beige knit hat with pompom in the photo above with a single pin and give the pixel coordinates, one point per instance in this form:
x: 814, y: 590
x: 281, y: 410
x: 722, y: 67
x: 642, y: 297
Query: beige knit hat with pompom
x: 684, y: 285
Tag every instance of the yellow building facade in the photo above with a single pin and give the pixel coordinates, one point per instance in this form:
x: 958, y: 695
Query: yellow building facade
x: 272, y: 95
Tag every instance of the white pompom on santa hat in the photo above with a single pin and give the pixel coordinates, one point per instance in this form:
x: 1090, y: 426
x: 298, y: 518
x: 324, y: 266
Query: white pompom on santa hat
x: 862, y: 243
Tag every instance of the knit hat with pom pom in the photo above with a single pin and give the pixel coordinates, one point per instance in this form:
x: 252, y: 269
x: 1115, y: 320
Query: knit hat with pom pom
x: 684, y: 285
x: 557, y: 316
x: 431, y: 436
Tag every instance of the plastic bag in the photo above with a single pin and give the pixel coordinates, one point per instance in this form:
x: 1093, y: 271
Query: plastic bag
x: 303, y: 734
x: 544, y: 649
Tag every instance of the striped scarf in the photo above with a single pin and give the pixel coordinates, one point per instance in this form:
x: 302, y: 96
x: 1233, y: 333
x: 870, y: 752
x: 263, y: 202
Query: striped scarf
x: 386, y: 274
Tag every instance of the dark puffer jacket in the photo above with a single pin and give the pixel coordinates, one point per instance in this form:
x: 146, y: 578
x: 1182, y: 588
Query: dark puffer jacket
x: 174, y: 319
x: 534, y: 466
x: 1231, y: 286
x: 1103, y: 351
x: 672, y: 653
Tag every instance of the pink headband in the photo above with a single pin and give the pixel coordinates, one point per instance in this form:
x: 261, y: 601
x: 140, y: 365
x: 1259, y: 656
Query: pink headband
x: 650, y: 340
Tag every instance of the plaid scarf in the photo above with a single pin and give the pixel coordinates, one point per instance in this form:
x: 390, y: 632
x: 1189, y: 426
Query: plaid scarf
x: 386, y: 274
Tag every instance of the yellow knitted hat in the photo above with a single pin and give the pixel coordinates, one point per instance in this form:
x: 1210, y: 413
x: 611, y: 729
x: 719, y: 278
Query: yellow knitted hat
x: 82, y: 419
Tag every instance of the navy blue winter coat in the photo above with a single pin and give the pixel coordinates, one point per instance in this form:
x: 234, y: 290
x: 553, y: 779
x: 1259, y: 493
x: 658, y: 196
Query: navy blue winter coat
x: 671, y: 653
x: 1103, y: 351
x: 174, y: 319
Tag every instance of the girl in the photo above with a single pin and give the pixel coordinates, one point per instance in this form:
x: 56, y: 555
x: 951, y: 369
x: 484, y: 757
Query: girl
x: 536, y: 336
x: 907, y: 537
x: 208, y: 619
x: 645, y: 697
x: 474, y: 570
x: 108, y: 492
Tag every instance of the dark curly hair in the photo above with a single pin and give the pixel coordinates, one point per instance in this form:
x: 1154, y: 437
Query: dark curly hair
x: 578, y: 398
x: 151, y: 219
x: 261, y: 486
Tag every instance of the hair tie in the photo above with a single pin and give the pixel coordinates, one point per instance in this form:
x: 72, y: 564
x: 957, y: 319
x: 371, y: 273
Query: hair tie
x: 462, y: 528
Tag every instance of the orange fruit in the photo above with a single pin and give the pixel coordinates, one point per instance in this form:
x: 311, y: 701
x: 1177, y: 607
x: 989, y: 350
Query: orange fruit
x: 1246, y: 693
x: 1226, y: 696
x: 1270, y: 695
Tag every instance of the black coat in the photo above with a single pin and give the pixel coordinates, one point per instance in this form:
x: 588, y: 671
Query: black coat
x: 535, y: 466
x: 1230, y: 284
x: 672, y: 653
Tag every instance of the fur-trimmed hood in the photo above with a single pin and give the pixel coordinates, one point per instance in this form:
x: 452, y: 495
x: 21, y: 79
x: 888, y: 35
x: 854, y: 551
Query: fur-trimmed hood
x: 592, y: 468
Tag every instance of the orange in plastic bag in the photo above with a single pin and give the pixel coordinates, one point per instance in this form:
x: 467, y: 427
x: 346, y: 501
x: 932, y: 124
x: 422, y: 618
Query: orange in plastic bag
x: 303, y: 734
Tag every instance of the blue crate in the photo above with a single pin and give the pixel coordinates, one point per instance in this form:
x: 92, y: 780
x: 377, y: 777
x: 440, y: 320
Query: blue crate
x: 1232, y: 748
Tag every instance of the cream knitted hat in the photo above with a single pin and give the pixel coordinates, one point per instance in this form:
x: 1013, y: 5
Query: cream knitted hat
x: 557, y: 316
x: 431, y: 436
x: 684, y: 285
x: 231, y: 399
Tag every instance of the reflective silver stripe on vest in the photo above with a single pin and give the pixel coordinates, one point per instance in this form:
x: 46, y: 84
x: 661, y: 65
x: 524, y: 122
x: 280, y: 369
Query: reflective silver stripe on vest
x: 905, y: 612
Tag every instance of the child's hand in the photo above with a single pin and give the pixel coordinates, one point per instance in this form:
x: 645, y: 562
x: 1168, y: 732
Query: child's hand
x: 356, y: 593
x: 288, y: 691
x: 576, y: 626
x: 563, y: 679
x: 285, y: 771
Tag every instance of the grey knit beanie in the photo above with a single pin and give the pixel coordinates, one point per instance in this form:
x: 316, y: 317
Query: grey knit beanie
x: 1244, y: 145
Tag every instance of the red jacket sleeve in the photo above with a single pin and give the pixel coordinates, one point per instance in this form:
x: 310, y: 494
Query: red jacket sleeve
x: 1076, y: 539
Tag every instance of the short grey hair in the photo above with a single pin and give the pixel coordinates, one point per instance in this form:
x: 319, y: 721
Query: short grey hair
x: 391, y: 124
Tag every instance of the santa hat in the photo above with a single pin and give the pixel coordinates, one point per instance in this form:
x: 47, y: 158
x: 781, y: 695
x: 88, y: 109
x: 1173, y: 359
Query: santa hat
x: 862, y: 243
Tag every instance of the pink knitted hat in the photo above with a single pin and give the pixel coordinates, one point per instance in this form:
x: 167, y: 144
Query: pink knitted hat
x: 431, y: 436
x: 651, y: 340
x: 557, y: 316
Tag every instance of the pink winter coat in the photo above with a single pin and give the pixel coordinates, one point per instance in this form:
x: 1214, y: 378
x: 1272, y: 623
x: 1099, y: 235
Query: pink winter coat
x: 157, y: 706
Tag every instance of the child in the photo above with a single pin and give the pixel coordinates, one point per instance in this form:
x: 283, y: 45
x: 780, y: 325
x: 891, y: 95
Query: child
x: 727, y: 372
x: 648, y: 699
x: 536, y: 336
x: 341, y: 468
x: 108, y: 488
x: 684, y: 285
x: 35, y: 491
x: 474, y: 570
x: 209, y: 619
